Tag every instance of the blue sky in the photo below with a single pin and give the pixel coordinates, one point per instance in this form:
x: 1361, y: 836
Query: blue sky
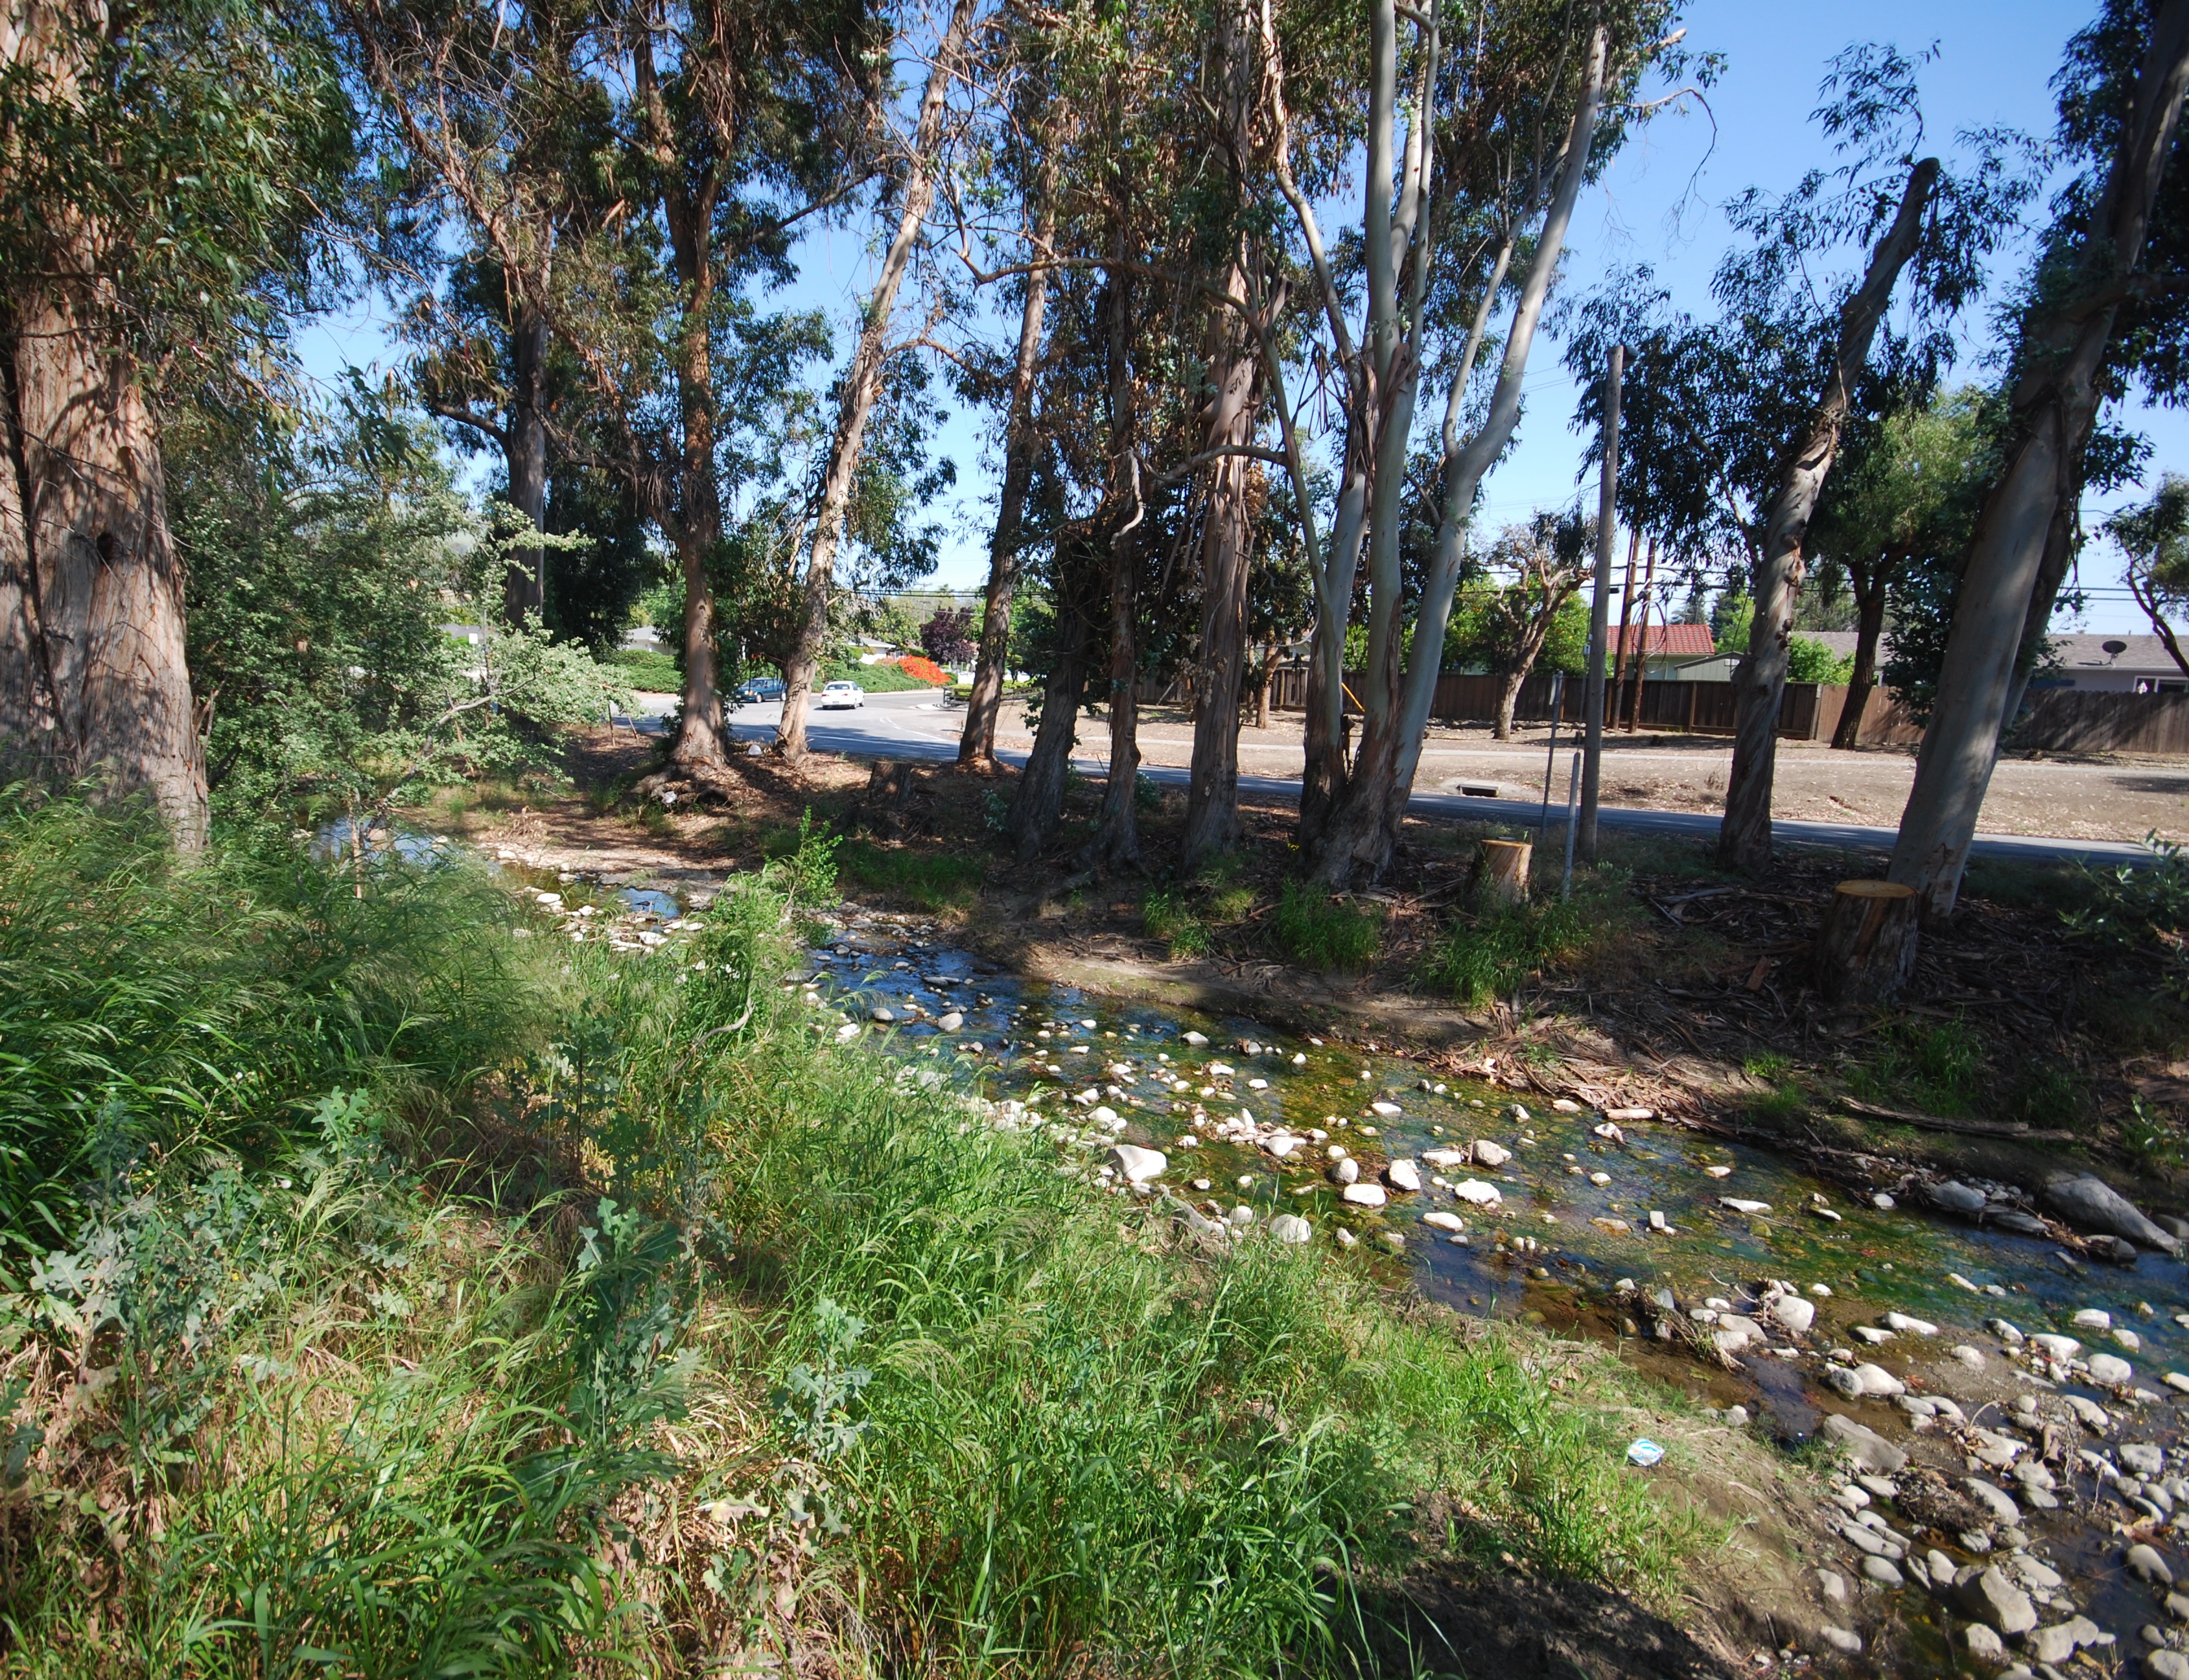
x: 1657, y: 204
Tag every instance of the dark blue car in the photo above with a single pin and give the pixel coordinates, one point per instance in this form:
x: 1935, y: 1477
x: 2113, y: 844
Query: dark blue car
x: 761, y: 688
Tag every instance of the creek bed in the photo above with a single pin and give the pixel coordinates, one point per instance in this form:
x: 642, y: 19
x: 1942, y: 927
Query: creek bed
x: 1096, y: 1071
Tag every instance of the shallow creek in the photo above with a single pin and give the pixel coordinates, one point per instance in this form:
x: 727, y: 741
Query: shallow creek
x: 1725, y: 1272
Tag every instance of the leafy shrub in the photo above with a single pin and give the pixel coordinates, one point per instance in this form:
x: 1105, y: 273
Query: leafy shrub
x: 932, y: 880
x: 1166, y: 915
x: 1326, y: 933
x: 1808, y: 660
x: 2142, y: 906
x: 648, y: 667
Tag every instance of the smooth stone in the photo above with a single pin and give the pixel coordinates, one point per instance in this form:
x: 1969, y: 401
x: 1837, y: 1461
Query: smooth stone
x: 1941, y: 1568
x: 1403, y: 1175
x: 1136, y: 1165
x: 1444, y: 1221
x: 1957, y: 1196
x: 1841, y: 1639
x: 1877, y: 1380
x: 1863, y: 1447
x: 2092, y: 1318
x: 1996, y: 1502
x: 2062, y: 1347
x: 1384, y: 1109
x: 1364, y: 1196
x: 2093, y: 1416
x: 1884, y: 1572
x: 2177, y: 1606
x: 1983, y: 1643
x: 950, y: 1021
x: 2057, y: 1643
x: 1833, y: 1585
x: 1989, y: 1597
x: 2167, y: 1665
x: 1445, y: 1157
x: 1794, y: 1312
x: 2110, y: 1370
x: 1291, y: 1228
x: 1481, y: 1194
x: 1970, y: 1356
x: 2006, y: 1332
x: 1345, y: 1170
x: 1883, y: 1202
x: 2145, y: 1563
x: 1488, y: 1154
x: 2176, y: 1380
x: 1913, y: 1327
x: 2146, y: 1458
x: 1197, y: 1039
x: 1742, y: 1204
x: 2088, y: 1201
x: 882, y: 1014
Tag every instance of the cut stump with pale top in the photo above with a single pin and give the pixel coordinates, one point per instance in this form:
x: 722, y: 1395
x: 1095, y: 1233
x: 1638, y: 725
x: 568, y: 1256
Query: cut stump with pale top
x: 1867, y: 948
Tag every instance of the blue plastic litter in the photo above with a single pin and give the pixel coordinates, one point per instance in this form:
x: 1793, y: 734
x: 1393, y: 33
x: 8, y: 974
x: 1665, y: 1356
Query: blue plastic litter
x: 1644, y: 1452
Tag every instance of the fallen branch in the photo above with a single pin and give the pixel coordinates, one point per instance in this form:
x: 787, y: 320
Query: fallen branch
x: 1938, y: 1122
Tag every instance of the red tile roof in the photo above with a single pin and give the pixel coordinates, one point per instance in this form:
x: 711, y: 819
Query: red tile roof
x: 1673, y: 641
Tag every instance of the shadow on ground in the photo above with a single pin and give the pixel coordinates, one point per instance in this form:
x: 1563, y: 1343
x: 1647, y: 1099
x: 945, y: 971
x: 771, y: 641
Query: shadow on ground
x: 1504, y: 1626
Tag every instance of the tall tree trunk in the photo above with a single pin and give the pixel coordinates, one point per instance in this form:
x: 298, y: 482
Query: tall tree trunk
x: 2054, y: 404
x: 1642, y: 643
x: 1358, y: 839
x: 1626, y: 620
x: 2061, y: 543
x: 1760, y: 680
x: 1867, y: 579
x: 524, y: 454
x: 94, y: 684
x: 1509, y: 700
x: 1265, y: 678
x: 701, y: 743
x: 1038, y: 803
x: 976, y: 746
x: 862, y: 383
x: 1227, y: 553
x: 1117, y: 840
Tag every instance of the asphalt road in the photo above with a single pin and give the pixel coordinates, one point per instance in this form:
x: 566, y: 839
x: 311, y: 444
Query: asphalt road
x: 918, y: 725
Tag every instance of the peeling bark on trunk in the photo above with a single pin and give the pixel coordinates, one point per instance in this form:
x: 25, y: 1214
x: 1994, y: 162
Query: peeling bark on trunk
x: 525, y: 455
x: 1760, y: 680
x: 1264, y: 680
x: 93, y: 683
x: 977, y: 747
x: 1508, y: 698
x: 1037, y: 805
x: 862, y: 388
x: 1116, y: 842
x: 1227, y: 554
x: 1867, y: 580
x: 2054, y: 405
x: 701, y: 743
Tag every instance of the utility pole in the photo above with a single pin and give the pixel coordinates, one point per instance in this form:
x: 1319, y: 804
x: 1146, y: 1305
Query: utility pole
x: 1599, y: 617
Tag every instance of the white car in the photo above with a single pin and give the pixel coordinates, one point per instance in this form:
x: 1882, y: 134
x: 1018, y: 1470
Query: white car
x: 842, y: 694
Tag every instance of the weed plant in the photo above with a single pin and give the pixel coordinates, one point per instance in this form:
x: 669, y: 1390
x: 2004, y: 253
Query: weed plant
x: 816, y: 1365
x: 1326, y: 933
x: 1479, y: 958
x: 927, y: 881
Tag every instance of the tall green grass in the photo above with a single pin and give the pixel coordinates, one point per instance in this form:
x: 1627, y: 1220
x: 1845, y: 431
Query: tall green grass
x: 1326, y: 933
x: 814, y: 1365
x: 1476, y: 958
x: 150, y: 1006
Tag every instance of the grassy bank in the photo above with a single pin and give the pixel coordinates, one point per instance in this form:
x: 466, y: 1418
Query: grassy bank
x: 632, y: 1323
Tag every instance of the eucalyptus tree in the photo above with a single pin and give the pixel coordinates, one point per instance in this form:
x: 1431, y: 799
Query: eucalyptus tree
x: 496, y: 142
x: 916, y: 173
x: 2153, y: 536
x: 2104, y: 307
x: 1476, y: 180
x: 162, y: 175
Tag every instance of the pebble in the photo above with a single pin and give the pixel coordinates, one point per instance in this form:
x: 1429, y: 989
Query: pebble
x: 847, y: 1032
x: 1983, y: 1643
x: 1481, y: 1194
x: 1833, y: 1585
x: 1136, y: 1165
x: 951, y: 1021
x: 1969, y: 1356
x: 1863, y: 1447
x: 1197, y: 1039
x: 2092, y: 1318
x: 2167, y: 1665
x: 2006, y: 1332
x: 1719, y: 1172
x: 1291, y: 1228
x: 1997, y: 1503
x: 1488, y: 1154
x: 2144, y: 1561
x: 1742, y: 1204
x: 1840, y: 1639
x: 1403, y: 1175
x: 1989, y: 1597
x: 2093, y: 1416
x: 1913, y: 1327
x: 1444, y: 1221
x: 1345, y: 1170
x: 1882, y: 1202
x: 2128, y: 1339
x: 1883, y: 1572
x: 2062, y: 1347
x: 1385, y: 1109
x: 2060, y: 1642
x: 1795, y: 1313
x: 1346, y: 1239
x: 1364, y: 1196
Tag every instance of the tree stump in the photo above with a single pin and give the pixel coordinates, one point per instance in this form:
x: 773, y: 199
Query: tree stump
x: 1501, y: 872
x: 889, y: 798
x: 1867, y: 949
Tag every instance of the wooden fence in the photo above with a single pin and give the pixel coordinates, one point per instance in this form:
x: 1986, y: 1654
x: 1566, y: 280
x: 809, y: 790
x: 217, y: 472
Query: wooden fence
x: 2053, y: 719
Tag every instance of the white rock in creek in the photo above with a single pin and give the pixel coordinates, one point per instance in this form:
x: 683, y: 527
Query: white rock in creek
x: 1718, y: 1172
x: 2062, y: 1347
x: 1291, y: 1228
x: 1629, y: 1114
x: 1445, y: 1157
x: 1103, y: 1117
x: 1444, y: 1220
x: 1345, y: 1170
x: 1403, y: 1175
x: 883, y: 1014
x: 1609, y: 1133
x: 950, y: 1021
x: 1488, y: 1154
x: 1998, y: 1504
x: 2092, y: 1318
x: 2110, y: 1370
x: 1795, y: 1313
x: 1969, y: 1356
x: 1989, y: 1597
x: 1384, y: 1109
x: 2055, y: 1644
x: 1364, y: 1196
x: 2176, y: 1380
x: 1742, y: 1204
x: 2166, y: 1665
x: 1983, y: 1643
x: 1565, y: 1105
x: 1957, y: 1196
x: 1197, y: 1039
x: 1481, y: 1194
x: 848, y: 1031
x: 2146, y: 1459
x: 2091, y: 1202
x: 1864, y: 1447
x: 1833, y: 1585
x: 1282, y: 1144
x: 2006, y: 1332
x: 1518, y: 1111
x: 2144, y: 1561
x: 2093, y: 1416
x: 1136, y: 1165
x: 1913, y: 1327
x: 2128, y: 1339
x: 1883, y: 1202
x: 1843, y: 1640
